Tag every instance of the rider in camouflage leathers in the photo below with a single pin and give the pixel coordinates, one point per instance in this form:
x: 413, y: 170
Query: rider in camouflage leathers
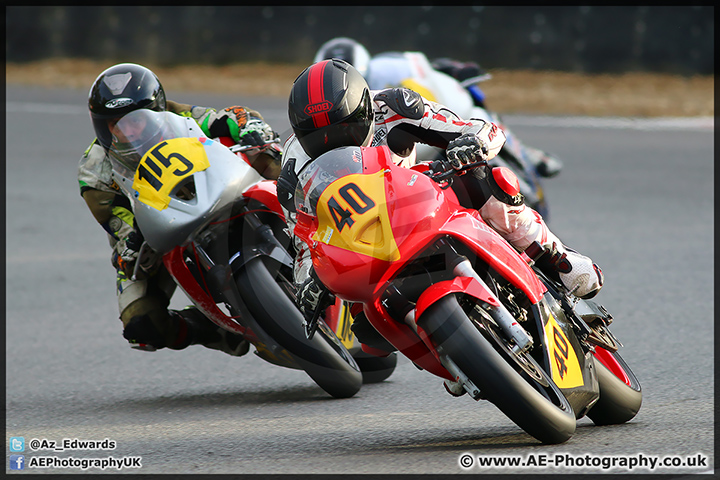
x: 143, y: 301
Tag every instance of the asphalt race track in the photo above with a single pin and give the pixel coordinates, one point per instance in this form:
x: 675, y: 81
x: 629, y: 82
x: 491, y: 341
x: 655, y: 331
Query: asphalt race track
x: 636, y: 197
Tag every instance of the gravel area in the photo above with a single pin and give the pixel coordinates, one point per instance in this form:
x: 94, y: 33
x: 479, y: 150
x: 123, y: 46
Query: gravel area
x: 533, y: 92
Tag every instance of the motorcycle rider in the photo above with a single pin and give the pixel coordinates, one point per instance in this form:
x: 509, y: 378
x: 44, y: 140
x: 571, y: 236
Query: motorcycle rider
x: 431, y: 80
x: 143, y: 302
x: 324, y: 117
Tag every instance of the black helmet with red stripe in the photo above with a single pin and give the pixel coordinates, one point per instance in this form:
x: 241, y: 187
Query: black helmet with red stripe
x: 330, y: 107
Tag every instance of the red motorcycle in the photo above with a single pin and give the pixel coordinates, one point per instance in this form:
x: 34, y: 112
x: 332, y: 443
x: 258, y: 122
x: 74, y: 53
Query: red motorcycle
x: 445, y: 290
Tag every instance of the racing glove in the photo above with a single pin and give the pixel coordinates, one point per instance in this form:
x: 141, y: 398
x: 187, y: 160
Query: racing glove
x: 256, y: 133
x: 465, y: 149
x: 225, y: 123
x: 244, y: 126
x: 126, y: 252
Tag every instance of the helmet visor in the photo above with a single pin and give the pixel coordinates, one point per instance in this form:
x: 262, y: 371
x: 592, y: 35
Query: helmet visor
x: 133, y: 135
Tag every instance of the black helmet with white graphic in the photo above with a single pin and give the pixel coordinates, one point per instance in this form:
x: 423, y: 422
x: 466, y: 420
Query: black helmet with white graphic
x: 121, y: 89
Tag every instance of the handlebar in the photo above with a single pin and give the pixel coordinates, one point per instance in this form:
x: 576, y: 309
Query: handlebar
x: 441, y: 170
x: 244, y: 148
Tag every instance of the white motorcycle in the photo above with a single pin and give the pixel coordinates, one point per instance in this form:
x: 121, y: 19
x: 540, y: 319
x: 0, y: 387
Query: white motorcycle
x: 413, y: 70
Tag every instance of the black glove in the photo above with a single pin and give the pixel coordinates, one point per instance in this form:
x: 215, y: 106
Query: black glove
x: 251, y: 137
x: 256, y: 132
x: 313, y: 297
x: 243, y: 125
x: 466, y: 149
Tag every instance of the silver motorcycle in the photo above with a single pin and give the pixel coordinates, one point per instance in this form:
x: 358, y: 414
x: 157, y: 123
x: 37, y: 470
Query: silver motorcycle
x: 219, y: 230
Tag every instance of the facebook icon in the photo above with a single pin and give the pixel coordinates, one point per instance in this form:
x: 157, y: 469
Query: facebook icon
x: 17, y: 462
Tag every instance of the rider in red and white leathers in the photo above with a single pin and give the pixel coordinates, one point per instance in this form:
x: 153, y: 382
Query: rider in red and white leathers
x: 398, y: 118
x: 449, y: 82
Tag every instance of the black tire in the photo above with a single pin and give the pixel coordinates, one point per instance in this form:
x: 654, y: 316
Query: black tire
x: 619, y: 401
x: 323, y: 357
x: 375, y: 369
x: 536, y: 406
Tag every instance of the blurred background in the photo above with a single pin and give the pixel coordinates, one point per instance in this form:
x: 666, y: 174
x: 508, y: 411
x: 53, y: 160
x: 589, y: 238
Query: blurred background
x: 596, y: 39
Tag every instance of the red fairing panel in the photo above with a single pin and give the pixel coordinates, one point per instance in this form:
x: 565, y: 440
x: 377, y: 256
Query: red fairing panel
x: 466, y: 285
x: 489, y: 246
x: 177, y: 267
x: 266, y: 193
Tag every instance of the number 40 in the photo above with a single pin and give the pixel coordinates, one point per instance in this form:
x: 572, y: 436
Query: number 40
x: 342, y: 216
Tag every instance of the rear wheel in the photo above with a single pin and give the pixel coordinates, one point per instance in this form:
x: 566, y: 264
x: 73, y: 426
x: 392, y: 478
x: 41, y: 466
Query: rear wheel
x: 514, y: 383
x: 323, y: 357
x: 620, y: 391
x: 375, y: 369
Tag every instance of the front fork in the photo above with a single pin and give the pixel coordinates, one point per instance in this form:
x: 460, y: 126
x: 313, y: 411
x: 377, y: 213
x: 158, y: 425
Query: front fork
x: 522, y: 341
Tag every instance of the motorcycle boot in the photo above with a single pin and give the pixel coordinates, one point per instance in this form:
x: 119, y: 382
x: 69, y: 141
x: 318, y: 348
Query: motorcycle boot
x: 202, y: 331
x: 578, y: 274
x: 148, y: 326
x: 546, y: 165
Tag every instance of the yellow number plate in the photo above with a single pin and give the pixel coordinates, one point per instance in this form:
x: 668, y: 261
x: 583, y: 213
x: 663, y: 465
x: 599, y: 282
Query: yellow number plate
x: 566, y: 372
x: 166, y: 165
x: 352, y: 215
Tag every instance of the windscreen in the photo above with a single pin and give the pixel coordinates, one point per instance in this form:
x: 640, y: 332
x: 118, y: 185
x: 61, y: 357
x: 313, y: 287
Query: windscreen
x: 138, y: 131
x: 323, y: 171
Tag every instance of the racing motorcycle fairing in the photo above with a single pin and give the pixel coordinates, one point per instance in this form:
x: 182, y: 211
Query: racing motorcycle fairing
x: 454, y: 297
x: 176, y: 264
x: 174, y: 190
x: 362, y: 230
x: 265, y: 192
x: 210, y: 216
x: 364, y: 234
x: 570, y: 365
x: 466, y: 285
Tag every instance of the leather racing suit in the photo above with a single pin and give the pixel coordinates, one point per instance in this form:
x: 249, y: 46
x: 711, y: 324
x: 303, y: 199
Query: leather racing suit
x: 143, y: 301
x: 402, y: 118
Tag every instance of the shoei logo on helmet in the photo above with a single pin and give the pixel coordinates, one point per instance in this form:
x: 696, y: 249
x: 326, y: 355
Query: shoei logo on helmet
x: 315, y: 108
x: 119, y: 102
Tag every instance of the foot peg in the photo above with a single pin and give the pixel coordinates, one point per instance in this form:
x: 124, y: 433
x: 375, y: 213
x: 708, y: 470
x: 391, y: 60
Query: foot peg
x: 602, y: 337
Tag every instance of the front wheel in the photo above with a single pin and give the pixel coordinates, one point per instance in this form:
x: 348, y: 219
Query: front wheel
x: 520, y: 389
x: 323, y: 357
x: 620, y: 391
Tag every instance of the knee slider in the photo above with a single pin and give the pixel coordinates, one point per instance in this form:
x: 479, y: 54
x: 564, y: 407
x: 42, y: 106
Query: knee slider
x: 140, y: 329
x: 505, y: 186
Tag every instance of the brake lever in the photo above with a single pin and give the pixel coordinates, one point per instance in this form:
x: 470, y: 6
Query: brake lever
x: 447, y: 170
x: 243, y: 148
